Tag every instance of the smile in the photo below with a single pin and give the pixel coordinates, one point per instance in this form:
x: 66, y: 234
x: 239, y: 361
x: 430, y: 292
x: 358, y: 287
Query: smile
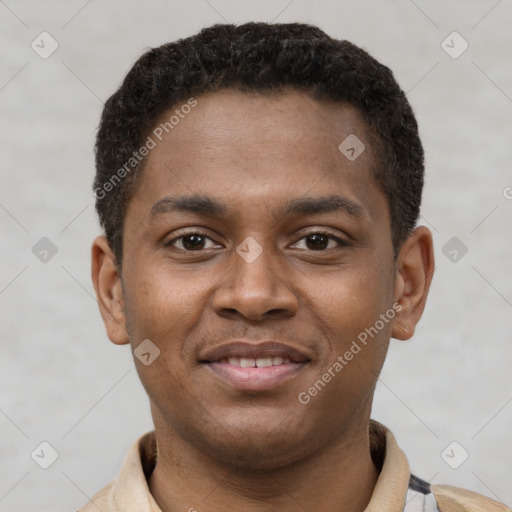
x: 260, y: 362
x: 249, y: 366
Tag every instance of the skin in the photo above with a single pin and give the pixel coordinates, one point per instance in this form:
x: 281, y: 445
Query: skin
x: 261, y: 450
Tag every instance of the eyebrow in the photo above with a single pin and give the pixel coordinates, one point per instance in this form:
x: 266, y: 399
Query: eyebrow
x: 206, y: 205
x: 328, y: 204
x: 195, y: 204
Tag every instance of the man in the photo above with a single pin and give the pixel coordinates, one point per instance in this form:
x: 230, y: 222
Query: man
x: 259, y: 187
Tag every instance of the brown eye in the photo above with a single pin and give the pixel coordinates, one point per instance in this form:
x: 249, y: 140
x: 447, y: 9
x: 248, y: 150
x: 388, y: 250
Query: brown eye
x: 317, y: 241
x: 191, y: 242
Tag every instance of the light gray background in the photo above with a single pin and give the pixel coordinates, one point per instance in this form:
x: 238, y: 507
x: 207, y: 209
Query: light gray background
x: 62, y: 380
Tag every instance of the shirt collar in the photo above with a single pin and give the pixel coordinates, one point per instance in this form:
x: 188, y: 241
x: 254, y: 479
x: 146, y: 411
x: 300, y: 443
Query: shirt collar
x: 130, y: 490
x: 391, y: 489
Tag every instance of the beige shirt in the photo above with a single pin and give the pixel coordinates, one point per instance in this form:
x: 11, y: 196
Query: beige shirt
x: 396, y: 489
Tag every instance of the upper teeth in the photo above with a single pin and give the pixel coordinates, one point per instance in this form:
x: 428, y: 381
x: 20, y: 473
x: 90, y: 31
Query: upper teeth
x: 260, y: 362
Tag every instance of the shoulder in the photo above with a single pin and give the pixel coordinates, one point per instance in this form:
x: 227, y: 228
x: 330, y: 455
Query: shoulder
x: 453, y: 499
x: 129, y: 490
x: 100, y: 501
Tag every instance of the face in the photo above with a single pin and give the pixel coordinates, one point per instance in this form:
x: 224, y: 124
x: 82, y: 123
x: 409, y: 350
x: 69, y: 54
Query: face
x: 256, y: 255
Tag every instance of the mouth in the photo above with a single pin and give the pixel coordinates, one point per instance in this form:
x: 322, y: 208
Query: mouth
x: 255, y: 367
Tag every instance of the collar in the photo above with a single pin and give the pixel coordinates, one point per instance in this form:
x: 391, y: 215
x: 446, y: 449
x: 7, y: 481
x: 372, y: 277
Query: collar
x: 130, y: 491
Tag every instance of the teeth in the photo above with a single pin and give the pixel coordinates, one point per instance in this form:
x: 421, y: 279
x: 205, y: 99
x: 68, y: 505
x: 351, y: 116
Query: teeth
x: 260, y: 362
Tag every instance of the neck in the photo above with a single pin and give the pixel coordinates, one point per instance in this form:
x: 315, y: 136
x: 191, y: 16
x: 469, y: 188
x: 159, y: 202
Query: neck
x: 342, y: 476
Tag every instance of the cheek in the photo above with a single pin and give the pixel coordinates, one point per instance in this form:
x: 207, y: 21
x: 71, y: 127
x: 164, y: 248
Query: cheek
x: 353, y: 300
x: 161, y: 306
x: 162, y: 309
x: 165, y: 307
x: 350, y: 316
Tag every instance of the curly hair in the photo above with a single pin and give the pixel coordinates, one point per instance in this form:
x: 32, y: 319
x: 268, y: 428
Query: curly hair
x: 264, y: 58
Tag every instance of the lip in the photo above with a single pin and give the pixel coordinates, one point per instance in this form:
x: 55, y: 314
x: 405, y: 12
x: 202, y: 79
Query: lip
x: 254, y: 350
x: 254, y: 378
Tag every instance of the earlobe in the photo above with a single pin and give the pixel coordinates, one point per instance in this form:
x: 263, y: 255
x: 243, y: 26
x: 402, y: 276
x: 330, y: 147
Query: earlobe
x: 415, y: 268
x: 107, y: 283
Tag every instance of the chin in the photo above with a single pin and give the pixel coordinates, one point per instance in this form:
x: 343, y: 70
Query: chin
x: 251, y: 446
x: 257, y: 453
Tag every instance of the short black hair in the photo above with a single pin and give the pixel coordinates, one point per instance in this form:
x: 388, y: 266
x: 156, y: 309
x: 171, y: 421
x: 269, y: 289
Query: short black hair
x: 264, y: 58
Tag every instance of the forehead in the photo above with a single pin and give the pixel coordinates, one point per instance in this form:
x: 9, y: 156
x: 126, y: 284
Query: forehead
x: 279, y: 121
x: 248, y: 145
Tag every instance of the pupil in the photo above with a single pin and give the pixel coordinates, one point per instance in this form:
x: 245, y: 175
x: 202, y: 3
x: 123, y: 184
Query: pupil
x: 191, y: 242
x: 317, y: 241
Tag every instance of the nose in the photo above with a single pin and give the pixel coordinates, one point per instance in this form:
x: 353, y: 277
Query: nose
x: 254, y: 289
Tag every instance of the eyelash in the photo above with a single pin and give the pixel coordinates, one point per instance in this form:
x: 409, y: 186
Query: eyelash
x: 330, y: 236
x: 339, y: 241
x: 184, y: 235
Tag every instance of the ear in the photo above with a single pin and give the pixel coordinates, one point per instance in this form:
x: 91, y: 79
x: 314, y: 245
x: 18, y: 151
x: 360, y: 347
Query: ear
x: 107, y: 283
x: 414, y: 271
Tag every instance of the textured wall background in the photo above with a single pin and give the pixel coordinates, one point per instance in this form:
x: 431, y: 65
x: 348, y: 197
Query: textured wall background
x: 63, y: 382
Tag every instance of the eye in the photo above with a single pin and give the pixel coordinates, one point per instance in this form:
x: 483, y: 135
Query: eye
x: 319, y: 241
x: 193, y: 241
